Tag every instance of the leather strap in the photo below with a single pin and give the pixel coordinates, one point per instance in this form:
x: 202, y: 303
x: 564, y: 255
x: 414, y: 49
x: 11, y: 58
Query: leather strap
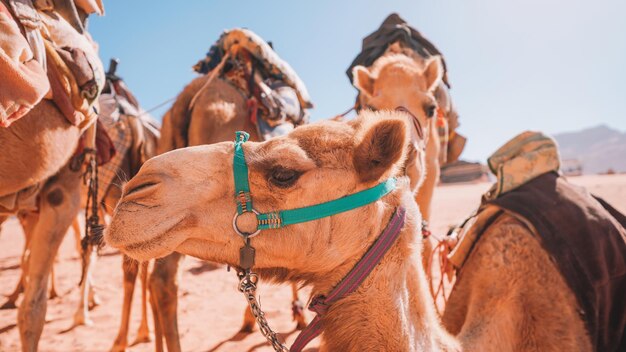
x: 320, y: 304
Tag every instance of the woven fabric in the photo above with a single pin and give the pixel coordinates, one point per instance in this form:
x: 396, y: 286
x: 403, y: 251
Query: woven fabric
x: 117, y: 127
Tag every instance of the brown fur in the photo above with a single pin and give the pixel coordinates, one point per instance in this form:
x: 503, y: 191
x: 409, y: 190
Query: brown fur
x: 399, y: 79
x: 512, y: 297
x: 380, y: 149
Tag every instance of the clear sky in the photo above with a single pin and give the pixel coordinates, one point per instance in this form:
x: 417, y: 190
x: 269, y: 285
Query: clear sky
x: 550, y: 65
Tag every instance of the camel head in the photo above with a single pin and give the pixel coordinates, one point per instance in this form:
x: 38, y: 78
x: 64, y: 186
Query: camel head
x: 184, y: 200
x: 397, y: 80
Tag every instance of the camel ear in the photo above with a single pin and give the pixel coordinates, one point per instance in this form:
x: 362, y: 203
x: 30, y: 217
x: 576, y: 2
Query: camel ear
x: 433, y: 73
x: 362, y: 80
x: 380, y: 149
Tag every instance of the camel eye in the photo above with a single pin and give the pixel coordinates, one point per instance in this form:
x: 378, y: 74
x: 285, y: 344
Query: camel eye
x: 283, y: 178
x: 430, y: 110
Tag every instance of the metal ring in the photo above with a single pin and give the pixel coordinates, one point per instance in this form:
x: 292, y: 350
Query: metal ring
x: 244, y: 234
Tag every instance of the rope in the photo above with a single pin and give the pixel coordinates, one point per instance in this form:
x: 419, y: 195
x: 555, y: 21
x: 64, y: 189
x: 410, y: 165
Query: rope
x: 193, y: 100
x: 214, y: 73
x: 159, y: 105
x: 93, y: 229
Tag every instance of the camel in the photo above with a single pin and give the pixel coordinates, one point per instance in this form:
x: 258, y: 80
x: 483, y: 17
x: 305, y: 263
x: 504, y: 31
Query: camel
x: 59, y: 205
x: 34, y: 161
x: 512, y: 296
x: 141, y: 141
x: 88, y: 298
x: 403, y: 78
x: 392, y: 310
x: 528, y: 283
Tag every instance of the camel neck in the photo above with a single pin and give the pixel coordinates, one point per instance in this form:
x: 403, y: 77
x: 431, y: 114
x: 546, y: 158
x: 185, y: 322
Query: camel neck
x: 391, y: 310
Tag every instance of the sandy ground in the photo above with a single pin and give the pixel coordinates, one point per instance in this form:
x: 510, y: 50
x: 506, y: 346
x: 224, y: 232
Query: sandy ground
x: 210, y: 307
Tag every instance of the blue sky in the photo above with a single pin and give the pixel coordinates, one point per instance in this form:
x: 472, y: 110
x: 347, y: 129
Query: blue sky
x: 550, y: 65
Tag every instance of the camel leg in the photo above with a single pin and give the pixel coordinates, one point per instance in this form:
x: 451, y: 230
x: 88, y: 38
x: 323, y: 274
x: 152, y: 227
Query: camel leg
x: 60, y: 202
x: 158, y: 331
x: 143, y: 333
x: 12, y: 298
x: 130, y: 268
x: 297, y: 308
x: 3, y: 218
x: 164, y: 289
x: 81, y: 317
x: 77, y: 236
x: 93, y: 298
x: 28, y: 221
x: 248, y: 321
x: 53, y: 291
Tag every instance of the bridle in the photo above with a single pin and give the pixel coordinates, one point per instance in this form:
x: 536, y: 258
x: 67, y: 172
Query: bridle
x: 282, y: 218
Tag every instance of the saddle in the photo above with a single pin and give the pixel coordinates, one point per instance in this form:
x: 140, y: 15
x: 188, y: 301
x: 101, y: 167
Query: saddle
x: 40, y: 59
x: 393, y: 35
x: 277, y: 97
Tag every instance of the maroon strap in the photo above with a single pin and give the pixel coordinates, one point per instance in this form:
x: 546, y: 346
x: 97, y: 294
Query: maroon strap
x: 351, y: 282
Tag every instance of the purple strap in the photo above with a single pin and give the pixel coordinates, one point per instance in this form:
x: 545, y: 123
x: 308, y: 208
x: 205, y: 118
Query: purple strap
x: 351, y: 282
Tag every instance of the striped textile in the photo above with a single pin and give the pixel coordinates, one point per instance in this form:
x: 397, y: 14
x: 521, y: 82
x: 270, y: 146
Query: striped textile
x: 118, y: 128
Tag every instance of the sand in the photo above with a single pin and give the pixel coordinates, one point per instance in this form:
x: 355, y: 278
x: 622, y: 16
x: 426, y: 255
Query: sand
x: 210, y: 307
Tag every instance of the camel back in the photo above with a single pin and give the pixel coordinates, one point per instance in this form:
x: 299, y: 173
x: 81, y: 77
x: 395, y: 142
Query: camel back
x: 272, y: 65
x: 276, y: 97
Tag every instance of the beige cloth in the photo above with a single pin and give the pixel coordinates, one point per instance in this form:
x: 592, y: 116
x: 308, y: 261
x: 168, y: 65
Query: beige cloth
x: 521, y: 159
x: 24, y: 81
x: 25, y: 199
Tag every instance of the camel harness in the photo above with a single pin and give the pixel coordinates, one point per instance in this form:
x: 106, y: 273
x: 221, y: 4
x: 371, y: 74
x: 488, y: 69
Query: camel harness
x: 277, y: 219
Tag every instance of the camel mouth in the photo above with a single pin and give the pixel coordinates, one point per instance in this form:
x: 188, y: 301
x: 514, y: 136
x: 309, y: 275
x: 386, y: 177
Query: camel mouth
x: 148, y: 249
x: 140, y: 239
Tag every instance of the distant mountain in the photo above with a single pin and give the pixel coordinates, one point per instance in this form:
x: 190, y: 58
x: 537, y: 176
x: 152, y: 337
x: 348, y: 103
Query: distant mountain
x: 597, y: 148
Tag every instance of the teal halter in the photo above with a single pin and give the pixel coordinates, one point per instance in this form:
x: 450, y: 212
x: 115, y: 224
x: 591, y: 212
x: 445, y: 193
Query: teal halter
x: 282, y: 218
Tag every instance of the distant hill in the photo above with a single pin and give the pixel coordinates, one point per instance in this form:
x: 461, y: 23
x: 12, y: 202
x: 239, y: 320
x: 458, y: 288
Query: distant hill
x: 597, y: 148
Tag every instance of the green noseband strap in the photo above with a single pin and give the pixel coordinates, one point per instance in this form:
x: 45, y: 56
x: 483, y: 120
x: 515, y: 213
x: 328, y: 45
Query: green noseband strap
x: 281, y: 218
x: 240, y: 170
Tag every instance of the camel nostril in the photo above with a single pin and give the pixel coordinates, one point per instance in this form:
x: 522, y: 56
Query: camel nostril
x: 140, y: 187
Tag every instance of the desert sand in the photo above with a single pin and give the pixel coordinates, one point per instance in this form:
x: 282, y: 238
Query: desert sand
x: 210, y: 307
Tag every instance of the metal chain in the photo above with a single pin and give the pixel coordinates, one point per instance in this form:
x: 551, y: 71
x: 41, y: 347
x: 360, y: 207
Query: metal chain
x: 247, y: 286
